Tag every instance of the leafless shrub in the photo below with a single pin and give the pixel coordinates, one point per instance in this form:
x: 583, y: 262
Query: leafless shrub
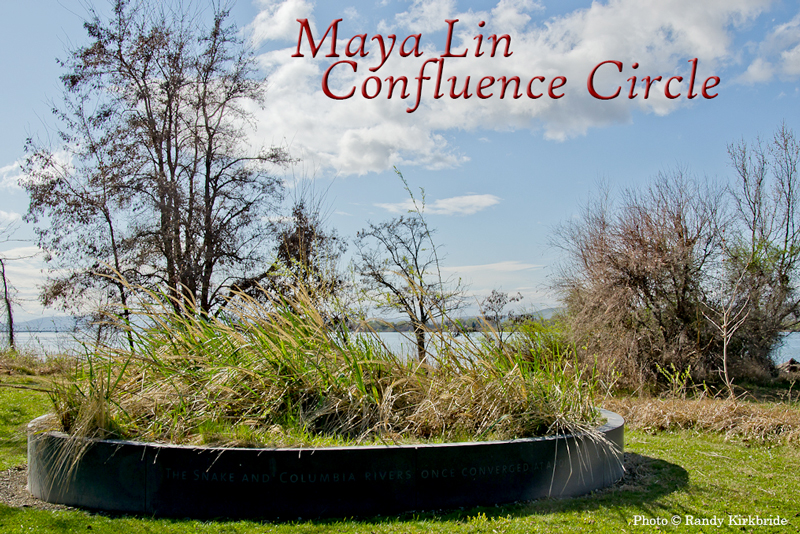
x: 398, y: 263
x: 687, y: 274
x: 735, y: 419
x: 633, y: 279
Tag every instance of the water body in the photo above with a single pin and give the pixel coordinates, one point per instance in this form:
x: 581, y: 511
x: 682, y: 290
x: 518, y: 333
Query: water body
x: 46, y: 343
x: 788, y: 349
x: 52, y: 343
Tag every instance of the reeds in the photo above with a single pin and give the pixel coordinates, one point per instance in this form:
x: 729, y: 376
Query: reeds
x: 730, y: 417
x: 276, y: 372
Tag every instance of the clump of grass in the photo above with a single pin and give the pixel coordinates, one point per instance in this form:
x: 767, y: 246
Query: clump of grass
x: 26, y: 362
x: 277, y: 372
x: 731, y: 417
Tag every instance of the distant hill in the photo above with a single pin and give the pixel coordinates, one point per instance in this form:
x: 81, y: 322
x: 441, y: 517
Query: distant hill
x: 45, y: 324
x: 474, y: 323
x: 548, y: 313
x: 71, y: 324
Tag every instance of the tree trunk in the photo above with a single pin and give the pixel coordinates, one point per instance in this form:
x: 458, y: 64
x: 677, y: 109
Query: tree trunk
x: 419, y: 333
x: 9, y: 312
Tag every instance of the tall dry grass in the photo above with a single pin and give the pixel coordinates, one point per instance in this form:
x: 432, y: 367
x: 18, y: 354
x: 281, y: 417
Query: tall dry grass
x: 276, y: 372
x: 26, y: 362
x: 731, y: 417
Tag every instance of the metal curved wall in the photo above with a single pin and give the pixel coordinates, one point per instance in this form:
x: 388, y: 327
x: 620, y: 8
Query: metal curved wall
x: 181, y: 481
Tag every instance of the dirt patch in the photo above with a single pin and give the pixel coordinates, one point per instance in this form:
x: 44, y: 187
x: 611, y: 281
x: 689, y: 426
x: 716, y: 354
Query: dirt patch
x: 14, y: 491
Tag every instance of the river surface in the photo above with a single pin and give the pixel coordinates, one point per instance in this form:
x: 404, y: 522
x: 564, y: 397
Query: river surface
x: 790, y: 348
x: 51, y: 343
x: 54, y: 343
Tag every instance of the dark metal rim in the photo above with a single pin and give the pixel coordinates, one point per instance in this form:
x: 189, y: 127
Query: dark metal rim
x: 613, y: 421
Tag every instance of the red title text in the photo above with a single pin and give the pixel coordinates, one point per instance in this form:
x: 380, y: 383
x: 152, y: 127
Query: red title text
x: 432, y: 70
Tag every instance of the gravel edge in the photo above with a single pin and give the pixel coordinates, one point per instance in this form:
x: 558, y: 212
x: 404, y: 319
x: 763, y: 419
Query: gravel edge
x: 14, y: 491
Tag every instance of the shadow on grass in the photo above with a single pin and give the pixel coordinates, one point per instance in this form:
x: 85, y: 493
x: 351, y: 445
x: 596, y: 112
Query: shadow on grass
x: 646, y: 480
x: 12, y: 444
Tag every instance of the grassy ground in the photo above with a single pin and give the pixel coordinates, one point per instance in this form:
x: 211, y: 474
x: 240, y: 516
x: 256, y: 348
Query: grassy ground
x: 17, y: 408
x: 683, y: 473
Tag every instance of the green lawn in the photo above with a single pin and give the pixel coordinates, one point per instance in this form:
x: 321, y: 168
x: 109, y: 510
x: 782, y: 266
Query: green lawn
x: 671, y: 474
x: 17, y: 408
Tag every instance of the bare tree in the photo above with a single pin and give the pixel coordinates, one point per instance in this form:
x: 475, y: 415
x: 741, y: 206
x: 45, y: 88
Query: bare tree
x: 399, y: 262
x: 7, y: 236
x: 154, y: 177
x: 81, y: 208
x: 755, y: 298
x: 306, y: 256
x: 676, y: 274
x: 8, y: 305
x: 493, y: 309
x: 633, y: 278
x: 308, y: 250
x: 728, y: 308
x: 768, y: 247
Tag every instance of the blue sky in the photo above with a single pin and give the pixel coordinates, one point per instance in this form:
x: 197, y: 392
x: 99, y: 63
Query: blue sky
x: 498, y: 174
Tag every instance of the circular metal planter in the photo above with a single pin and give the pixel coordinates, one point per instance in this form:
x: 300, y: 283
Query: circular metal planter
x: 183, y: 481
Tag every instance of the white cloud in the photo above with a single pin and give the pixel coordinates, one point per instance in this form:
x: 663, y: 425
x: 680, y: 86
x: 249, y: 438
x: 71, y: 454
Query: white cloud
x: 58, y: 164
x: 778, y: 54
x: 785, y: 39
x: 351, y: 14
x: 511, y: 276
x: 461, y: 205
x: 791, y: 61
x: 503, y: 267
x: 426, y: 15
x: 513, y: 14
x: 7, y: 218
x: 277, y: 219
x: 10, y: 175
x: 278, y: 19
x: 759, y: 71
x: 360, y: 135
